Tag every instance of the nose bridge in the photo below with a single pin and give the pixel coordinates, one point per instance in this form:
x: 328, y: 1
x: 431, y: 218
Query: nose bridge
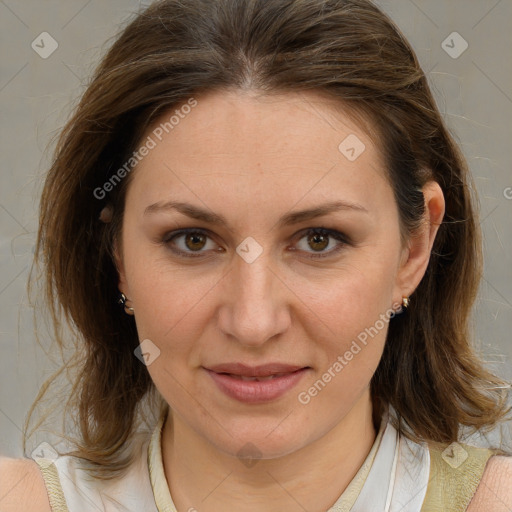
x: 253, y: 311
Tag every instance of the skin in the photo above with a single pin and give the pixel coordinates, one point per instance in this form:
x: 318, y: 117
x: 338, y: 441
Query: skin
x: 253, y: 159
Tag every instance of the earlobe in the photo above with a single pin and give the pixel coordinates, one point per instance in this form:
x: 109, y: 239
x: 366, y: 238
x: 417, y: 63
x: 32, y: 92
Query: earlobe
x: 416, y: 256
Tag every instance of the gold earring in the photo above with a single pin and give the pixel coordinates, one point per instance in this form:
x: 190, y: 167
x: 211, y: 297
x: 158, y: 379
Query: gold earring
x: 122, y: 300
x: 405, y: 302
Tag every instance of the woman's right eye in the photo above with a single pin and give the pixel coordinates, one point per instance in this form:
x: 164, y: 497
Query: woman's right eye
x: 188, y: 242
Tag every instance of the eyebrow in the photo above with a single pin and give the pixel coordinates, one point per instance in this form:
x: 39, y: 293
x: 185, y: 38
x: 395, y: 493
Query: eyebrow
x: 286, y: 220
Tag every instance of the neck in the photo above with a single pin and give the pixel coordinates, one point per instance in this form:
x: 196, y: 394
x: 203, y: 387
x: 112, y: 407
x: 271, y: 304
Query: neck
x: 202, y: 477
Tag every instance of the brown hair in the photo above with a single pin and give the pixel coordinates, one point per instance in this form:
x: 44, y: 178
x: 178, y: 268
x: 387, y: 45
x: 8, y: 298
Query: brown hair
x: 177, y: 49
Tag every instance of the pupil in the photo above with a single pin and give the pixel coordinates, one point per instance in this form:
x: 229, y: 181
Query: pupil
x: 195, y: 238
x: 317, y: 239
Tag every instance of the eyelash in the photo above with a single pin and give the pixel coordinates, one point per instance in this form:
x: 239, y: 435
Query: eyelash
x: 343, y: 239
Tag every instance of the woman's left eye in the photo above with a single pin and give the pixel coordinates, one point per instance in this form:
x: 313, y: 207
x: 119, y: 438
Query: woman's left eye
x: 191, y: 242
x: 319, y: 239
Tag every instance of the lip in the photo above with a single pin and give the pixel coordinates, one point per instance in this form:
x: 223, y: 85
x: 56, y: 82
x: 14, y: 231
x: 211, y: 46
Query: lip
x: 262, y: 370
x: 228, y: 378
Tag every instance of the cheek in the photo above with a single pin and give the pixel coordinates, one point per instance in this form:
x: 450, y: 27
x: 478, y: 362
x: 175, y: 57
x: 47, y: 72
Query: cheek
x: 356, y: 321
x: 170, y: 311
x: 355, y: 313
x: 170, y: 306
x: 352, y: 299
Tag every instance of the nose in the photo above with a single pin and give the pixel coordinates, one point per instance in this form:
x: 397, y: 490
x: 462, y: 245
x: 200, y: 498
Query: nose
x: 256, y: 308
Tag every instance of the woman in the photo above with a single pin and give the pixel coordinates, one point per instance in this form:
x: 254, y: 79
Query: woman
x: 265, y: 239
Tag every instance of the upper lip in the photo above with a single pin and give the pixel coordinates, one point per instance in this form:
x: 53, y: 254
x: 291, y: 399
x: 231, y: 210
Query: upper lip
x: 263, y: 370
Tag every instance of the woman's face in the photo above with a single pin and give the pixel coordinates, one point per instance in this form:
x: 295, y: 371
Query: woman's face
x: 252, y: 283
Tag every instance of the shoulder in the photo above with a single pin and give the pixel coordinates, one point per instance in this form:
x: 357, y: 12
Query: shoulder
x: 22, y: 486
x: 494, y: 491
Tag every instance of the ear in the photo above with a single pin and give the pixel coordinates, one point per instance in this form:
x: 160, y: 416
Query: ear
x: 416, y: 255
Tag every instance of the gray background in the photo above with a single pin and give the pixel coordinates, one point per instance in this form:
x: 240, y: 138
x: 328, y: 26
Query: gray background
x: 473, y: 92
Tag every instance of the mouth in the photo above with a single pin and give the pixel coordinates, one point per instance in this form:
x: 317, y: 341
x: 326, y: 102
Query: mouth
x: 245, y: 378
x: 258, y: 384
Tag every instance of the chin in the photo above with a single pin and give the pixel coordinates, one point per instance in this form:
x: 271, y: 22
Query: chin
x: 262, y: 439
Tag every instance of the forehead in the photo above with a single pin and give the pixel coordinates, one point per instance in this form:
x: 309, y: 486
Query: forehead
x: 258, y: 147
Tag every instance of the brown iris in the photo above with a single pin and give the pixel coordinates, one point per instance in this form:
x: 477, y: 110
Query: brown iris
x: 195, y: 241
x: 319, y: 240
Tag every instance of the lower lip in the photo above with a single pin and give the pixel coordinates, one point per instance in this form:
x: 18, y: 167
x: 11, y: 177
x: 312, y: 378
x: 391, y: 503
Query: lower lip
x: 256, y: 391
